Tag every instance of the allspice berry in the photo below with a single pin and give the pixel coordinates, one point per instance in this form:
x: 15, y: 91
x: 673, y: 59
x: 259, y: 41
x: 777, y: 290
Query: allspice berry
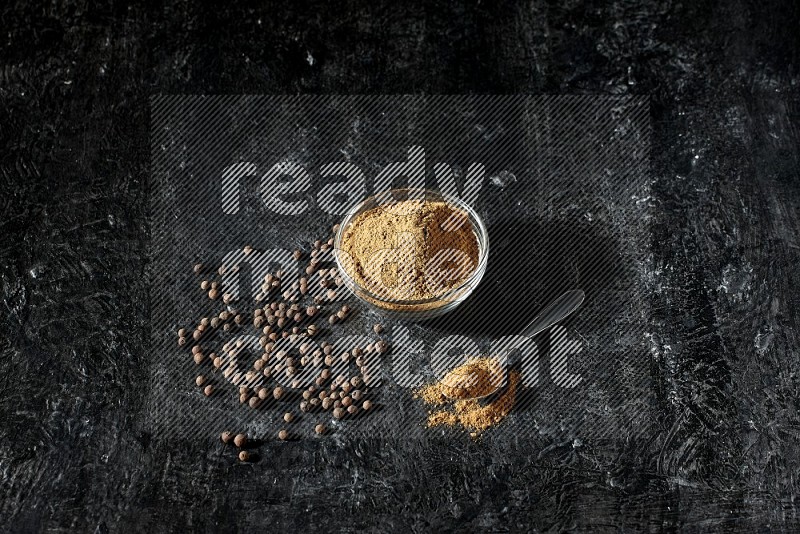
x: 240, y: 440
x: 200, y: 380
x: 226, y: 436
x: 283, y: 435
x: 198, y: 267
x: 209, y: 390
x: 244, y: 456
x: 338, y: 413
x: 381, y: 346
x: 367, y: 405
x: 288, y: 417
x: 378, y: 328
x: 277, y: 393
x: 320, y: 429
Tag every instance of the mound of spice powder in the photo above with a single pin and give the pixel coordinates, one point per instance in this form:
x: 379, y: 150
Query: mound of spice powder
x: 410, y: 250
x: 469, y: 413
x: 475, y: 378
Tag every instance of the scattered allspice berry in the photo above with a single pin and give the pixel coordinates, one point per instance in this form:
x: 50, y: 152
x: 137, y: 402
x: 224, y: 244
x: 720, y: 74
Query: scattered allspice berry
x: 288, y: 417
x: 338, y: 413
x: 247, y: 249
x: 283, y: 435
x: 200, y: 380
x: 378, y: 328
x: 244, y: 456
x: 226, y: 436
x: 367, y: 405
x: 240, y: 440
x: 198, y: 267
x: 320, y: 429
x: 209, y: 390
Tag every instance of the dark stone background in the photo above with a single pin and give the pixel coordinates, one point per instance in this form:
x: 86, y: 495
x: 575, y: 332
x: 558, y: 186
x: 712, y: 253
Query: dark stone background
x: 74, y: 82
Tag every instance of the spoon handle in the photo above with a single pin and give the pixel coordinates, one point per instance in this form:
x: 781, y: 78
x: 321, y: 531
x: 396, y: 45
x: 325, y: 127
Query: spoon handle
x: 555, y: 311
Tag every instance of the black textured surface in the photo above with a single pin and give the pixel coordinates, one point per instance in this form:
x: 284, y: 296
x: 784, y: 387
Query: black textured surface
x: 74, y: 82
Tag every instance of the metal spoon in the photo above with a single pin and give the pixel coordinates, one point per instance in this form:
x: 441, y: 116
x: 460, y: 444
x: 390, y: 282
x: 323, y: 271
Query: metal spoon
x: 553, y: 313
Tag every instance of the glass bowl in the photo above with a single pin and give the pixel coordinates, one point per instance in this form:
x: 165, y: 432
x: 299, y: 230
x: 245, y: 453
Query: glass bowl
x: 422, y: 309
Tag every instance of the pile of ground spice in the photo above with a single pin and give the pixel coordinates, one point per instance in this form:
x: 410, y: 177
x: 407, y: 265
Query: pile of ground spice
x: 469, y: 413
x: 410, y: 250
x: 476, y: 378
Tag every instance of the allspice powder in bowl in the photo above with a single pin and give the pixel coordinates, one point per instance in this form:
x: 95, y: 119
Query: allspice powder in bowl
x: 412, y: 254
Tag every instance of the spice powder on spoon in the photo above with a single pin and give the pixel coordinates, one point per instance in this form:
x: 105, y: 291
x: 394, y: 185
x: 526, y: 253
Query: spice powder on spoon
x: 467, y: 412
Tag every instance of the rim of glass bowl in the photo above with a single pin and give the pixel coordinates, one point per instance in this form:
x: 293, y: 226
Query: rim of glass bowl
x: 478, y: 226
